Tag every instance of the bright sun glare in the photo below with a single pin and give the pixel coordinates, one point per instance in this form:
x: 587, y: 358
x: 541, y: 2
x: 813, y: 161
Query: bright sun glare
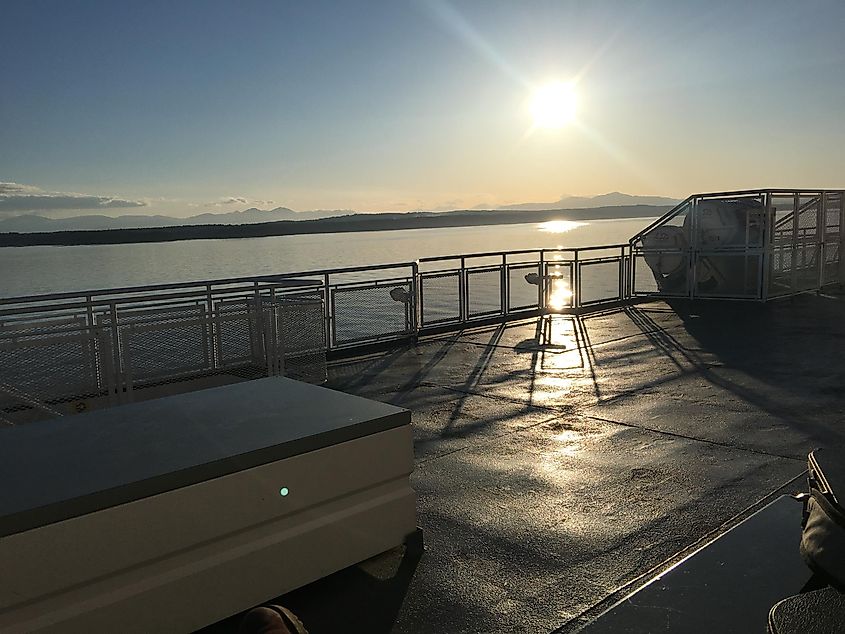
x: 553, y: 105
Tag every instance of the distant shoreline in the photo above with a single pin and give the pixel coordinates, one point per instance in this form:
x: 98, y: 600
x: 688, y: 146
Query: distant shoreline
x: 339, y: 224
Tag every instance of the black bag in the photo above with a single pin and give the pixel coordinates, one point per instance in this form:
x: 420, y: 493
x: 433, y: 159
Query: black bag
x: 820, y: 608
x: 823, y: 538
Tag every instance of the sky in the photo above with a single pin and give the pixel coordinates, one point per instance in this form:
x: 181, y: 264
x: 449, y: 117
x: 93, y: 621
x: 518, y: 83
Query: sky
x: 191, y: 107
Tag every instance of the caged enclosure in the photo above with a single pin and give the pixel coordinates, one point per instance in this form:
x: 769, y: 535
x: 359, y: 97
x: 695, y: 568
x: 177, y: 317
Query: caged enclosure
x: 753, y: 245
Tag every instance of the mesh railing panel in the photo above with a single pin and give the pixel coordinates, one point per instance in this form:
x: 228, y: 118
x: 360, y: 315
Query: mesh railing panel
x: 808, y: 217
x: 599, y: 282
x: 833, y: 217
x: 725, y: 223
x: 780, y: 270
x: 484, y: 292
x: 728, y: 275
x: 237, y: 334
x: 368, y: 312
x: 440, y: 297
x: 164, y: 344
x: 832, y: 270
x: 51, y: 367
x: 523, y: 294
x: 302, y: 336
x: 671, y: 278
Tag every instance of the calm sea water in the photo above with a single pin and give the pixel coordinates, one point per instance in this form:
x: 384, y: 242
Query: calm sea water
x: 35, y: 270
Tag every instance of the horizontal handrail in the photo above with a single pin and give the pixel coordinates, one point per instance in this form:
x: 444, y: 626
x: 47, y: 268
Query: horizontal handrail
x: 199, y: 287
x: 669, y: 214
x: 278, y: 277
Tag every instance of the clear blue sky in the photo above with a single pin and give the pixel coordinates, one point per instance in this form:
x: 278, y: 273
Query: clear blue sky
x: 423, y: 104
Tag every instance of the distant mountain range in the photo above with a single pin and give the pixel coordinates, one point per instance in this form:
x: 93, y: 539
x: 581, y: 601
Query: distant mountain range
x: 336, y: 224
x: 33, y: 223
x: 613, y: 199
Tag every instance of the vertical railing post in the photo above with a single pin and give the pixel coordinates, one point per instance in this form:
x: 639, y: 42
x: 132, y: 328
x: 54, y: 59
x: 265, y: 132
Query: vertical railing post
x: 264, y: 347
x: 766, y: 242
x: 463, y: 285
x: 821, y: 226
x: 89, y: 310
x: 115, y: 342
x: 793, y: 278
x: 575, y: 285
x: 212, y: 330
x: 415, y: 298
x: 541, y: 283
x: 841, y: 268
x: 328, y: 311
x: 503, y: 285
x: 692, y: 248
x: 92, y: 340
x: 621, y: 274
x: 632, y: 271
x: 277, y: 333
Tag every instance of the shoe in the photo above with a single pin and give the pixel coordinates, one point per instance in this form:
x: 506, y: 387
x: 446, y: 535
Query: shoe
x: 817, y: 612
x: 271, y: 619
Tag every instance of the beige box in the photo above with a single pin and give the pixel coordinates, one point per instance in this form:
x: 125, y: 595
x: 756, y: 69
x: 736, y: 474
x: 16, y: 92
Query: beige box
x: 186, y: 547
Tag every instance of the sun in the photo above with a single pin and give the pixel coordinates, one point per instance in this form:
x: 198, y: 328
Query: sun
x: 553, y: 105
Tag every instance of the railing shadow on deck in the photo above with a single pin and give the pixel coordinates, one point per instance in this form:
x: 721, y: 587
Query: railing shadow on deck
x: 783, y: 360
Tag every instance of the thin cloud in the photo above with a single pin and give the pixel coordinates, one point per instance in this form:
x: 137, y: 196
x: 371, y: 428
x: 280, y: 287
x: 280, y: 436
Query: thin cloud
x: 238, y: 200
x: 17, y: 197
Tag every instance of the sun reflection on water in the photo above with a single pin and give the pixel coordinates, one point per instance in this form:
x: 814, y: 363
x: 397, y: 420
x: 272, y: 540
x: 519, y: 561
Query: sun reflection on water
x: 559, y: 226
x: 560, y: 295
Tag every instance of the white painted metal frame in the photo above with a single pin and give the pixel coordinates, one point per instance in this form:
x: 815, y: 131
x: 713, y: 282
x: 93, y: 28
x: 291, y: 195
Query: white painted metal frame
x: 781, y: 237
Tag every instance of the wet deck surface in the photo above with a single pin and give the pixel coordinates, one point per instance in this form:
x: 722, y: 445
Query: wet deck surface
x: 558, y: 460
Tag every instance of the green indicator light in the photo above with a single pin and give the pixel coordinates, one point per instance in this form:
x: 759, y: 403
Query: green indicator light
x: 283, y: 491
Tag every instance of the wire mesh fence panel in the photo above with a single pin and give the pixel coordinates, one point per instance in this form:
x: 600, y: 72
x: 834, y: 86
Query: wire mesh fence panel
x: 727, y: 275
x: 41, y: 367
x: 159, y: 344
x: 484, y: 292
x: 440, y: 298
x: 806, y: 269
x: 523, y: 286
x: 644, y: 278
x: 783, y: 210
x: 808, y: 216
x: 371, y: 312
x: 662, y: 271
x: 729, y: 223
x: 599, y: 282
x: 780, y: 270
x: 237, y: 335
x: 832, y: 271
x: 832, y: 217
x: 832, y: 231
x: 806, y: 255
x: 795, y: 263
x: 807, y: 260
x: 302, y: 336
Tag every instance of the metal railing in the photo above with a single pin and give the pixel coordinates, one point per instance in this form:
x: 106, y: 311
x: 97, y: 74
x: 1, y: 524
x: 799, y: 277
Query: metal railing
x: 747, y: 245
x: 65, y: 352
x: 87, y: 349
